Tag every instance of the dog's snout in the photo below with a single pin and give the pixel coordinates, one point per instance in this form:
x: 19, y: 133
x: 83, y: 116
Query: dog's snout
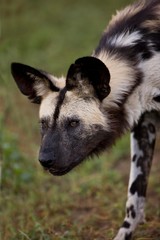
x: 47, y: 163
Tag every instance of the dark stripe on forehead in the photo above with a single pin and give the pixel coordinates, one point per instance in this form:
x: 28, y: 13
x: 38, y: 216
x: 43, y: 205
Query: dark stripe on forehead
x: 59, y: 104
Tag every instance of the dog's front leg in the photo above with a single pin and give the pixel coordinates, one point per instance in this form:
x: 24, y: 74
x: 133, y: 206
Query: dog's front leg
x: 142, y: 147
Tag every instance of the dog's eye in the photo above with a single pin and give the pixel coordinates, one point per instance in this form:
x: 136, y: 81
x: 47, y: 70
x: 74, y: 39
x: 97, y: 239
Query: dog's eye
x: 43, y: 125
x: 74, y: 123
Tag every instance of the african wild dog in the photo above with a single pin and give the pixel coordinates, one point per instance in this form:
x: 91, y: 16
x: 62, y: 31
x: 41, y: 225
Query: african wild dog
x: 104, y: 95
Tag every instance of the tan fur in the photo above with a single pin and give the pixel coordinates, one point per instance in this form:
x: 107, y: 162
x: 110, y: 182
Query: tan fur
x: 88, y: 111
x: 48, y: 104
x: 42, y: 87
x: 122, y: 78
x: 58, y: 82
x: 128, y: 12
x: 133, y: 9
x: 83, y: 89
x: 153, y: 25
x: 141, y: 99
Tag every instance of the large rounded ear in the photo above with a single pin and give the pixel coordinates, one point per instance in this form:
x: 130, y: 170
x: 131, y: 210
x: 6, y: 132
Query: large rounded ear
x: 32, y: 82
x: 94, y: 70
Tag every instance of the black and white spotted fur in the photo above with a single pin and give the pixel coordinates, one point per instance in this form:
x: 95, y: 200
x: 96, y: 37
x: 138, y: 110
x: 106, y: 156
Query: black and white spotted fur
x: 115, y: 90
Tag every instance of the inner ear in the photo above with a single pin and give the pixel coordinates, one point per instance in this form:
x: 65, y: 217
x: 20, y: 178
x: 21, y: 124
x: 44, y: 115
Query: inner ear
x: 94, y: 70
x: 32, y: 82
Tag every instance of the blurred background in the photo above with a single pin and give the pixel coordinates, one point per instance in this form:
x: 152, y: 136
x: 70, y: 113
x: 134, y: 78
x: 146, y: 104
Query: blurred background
x: 88, y: 203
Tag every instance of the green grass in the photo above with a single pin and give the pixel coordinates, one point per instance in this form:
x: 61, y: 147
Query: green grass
x: 88, y: 203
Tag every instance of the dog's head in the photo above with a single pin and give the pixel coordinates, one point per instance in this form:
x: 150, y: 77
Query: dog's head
x: 73, y: 123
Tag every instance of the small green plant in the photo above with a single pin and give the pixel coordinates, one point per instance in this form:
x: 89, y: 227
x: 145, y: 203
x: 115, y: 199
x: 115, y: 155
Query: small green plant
x: 15, y: 172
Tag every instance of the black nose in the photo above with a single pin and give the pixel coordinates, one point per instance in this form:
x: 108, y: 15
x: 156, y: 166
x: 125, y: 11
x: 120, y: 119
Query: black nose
x: 47, y: 163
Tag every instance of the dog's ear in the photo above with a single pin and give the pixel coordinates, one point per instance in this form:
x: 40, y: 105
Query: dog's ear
x: 92, y: 69
x: 32, y: 82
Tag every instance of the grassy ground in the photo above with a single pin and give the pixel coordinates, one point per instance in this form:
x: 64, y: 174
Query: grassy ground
x: 88, y: 203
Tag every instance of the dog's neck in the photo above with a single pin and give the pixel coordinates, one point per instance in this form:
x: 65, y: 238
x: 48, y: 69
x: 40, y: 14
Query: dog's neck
x: 124, y: 80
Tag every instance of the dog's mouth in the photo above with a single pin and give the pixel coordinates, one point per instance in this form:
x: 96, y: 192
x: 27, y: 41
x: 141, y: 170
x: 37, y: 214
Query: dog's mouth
x: 61, y: 171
